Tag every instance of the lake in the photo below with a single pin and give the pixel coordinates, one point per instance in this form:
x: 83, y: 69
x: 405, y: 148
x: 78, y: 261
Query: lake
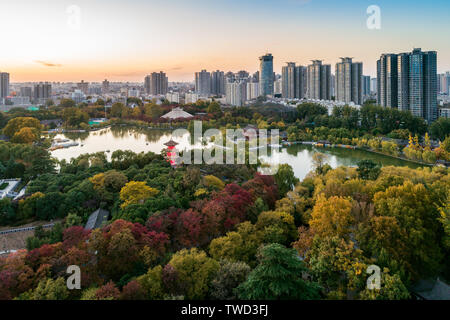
x: 144, y: 140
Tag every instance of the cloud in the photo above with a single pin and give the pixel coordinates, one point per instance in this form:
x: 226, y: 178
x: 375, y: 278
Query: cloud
x: 47, y: 64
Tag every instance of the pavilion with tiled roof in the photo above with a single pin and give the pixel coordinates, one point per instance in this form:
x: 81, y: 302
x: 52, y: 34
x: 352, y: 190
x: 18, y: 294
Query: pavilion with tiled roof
x: 177, y: 113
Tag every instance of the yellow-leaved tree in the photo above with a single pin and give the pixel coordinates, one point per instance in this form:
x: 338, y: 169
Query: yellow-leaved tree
x: 135, y: 192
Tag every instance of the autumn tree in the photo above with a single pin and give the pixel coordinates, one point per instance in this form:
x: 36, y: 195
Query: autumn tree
x: 415, y: 224
x: 277, y: 227
x: 136, y: 192
x: 196, y: 270
x: 16, y: 124
x: 332, y: 217
x: 319, y: 162
x: 25, y: 135
x: 228, y: 278
x: 213, y: 182
x: 240, y: 245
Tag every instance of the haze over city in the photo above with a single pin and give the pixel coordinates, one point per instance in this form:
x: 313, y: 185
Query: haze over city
x: 125, y: 41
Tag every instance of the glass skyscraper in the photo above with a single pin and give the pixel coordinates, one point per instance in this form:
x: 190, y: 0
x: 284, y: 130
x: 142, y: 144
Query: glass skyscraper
x: 266, y: 75
x: 408, y: 81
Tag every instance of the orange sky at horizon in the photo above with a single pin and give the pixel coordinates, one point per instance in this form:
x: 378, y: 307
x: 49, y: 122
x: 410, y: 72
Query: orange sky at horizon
x: 124, y: 41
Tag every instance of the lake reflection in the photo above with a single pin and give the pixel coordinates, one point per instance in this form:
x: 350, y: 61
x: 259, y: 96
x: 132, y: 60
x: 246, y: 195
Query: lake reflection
x: 145, y: 140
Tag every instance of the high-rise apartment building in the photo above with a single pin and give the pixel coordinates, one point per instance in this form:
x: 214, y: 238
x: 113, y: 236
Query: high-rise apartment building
x: 348, y: 83
x: 242, y: 75
x: 293, y: 80
x: 357, y: 74
x: 366, y: 86
x: 26, y: 92
x: 252, y: 90
x: 203, y: 82
x: 373, y: 85
x: 4, y: 85
x: 218, y: 83
x: 402, y: 82
x: 387, y: 75
x: 444, y: 83
x: 277, y: 87
x: 236, y: 92
x: 319, y: 81
x: 105, y: 86
x: 42, y: 92
x: 408, y: 81
x: 266, y: 77
x: 156, y: 83
x: 83, y: 87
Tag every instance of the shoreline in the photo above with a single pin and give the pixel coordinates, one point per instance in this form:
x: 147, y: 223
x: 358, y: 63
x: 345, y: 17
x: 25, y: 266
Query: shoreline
x: 342, y: 146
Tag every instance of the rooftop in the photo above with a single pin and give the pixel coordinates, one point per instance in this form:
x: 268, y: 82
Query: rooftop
x: 177, y: 113
x: 96, y: 219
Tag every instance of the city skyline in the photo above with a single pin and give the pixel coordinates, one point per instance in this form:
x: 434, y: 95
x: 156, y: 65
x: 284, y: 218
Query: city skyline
x: 181, y: 37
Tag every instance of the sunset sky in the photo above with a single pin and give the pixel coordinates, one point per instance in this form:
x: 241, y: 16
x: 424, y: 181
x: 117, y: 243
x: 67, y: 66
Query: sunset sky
x: 125, y: 40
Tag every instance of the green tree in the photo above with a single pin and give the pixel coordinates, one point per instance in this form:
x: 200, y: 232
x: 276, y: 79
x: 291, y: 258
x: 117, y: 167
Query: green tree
x: 279, y: 275
x: 440, y: 129
x: 49, y: 289
x: 392, y: 288
x: 67, y: 103
x: 285, y: 179
x: 368, y: 170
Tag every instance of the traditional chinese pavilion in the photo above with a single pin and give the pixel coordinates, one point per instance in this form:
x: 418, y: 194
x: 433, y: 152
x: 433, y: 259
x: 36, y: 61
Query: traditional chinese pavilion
x: 171, y: 152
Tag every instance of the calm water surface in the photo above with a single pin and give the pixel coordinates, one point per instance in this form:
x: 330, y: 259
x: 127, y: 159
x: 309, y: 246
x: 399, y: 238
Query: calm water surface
x: 144, y: 140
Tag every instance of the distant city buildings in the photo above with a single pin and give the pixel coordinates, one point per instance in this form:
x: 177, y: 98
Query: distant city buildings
x: 444, y: 83
x: 105, y: 86
x: 4, y: 85
x: 173, y: 97
x: 78, y: 96
x: 42, y: 92
x: 293, y: 81
x: 349, y: 81
x: 366, y: 86
x: 408, y: 82
x: 26, y: 92
x: 191, y: 97
x: 278, y: 86
x: 373, y: 85
x: 236, y: 92
x: 319, y: 81
x: 218, y: 83
x: 253, y: 90
x: 266, y: 76
x: 203, y: 82
x: 156, y: 83
x: 133, y: 93
x: 83, y: 87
